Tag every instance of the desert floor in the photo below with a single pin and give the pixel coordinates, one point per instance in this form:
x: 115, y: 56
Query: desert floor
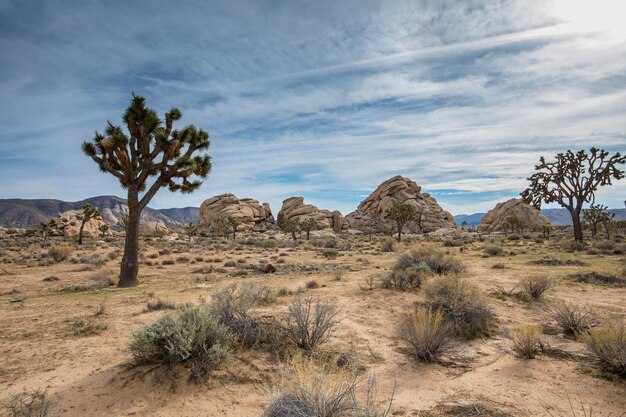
x: 85, y: 372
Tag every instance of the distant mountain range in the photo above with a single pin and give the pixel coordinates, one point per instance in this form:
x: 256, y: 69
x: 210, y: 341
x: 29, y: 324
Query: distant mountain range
x: 16, y: 212
x: 557, y: 216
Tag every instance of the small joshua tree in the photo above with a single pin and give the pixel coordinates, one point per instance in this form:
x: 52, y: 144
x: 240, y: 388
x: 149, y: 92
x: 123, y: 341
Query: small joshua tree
x: 46, y: 228
x: 104, y: 228
x: 289, y: 226
x: 572, y: 180
x: 401, y: 214
x: 308, y: 225
x: 89, y: 212
x: 546, y: 229
x: 596, y: 215
x: 191, y: 230
x: 123, y: 222
x: 151, y: 148
x: 234, y: 223
x: 221, y: 226
x: 513, y: 224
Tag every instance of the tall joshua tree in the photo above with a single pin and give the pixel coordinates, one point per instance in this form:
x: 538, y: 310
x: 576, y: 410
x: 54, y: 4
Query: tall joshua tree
x: 149, y: 149
x: 572, y: 181
x: 401, y: 214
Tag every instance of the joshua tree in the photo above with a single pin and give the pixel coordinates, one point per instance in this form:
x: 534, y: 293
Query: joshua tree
x: 572, y: 180
x: 151, y: 148
x: 546, y: 229
x: 234, y: 223
x: 513, y: 224
x: 46, y: 228
x: 308, y: 225
x: 401, y: 214
x: 191, y: 230
x: 104, y: 228
x: 123, y: 222
x: 595, y: 215
x: 289, y: 226
x: 89, y: 212
x: 221, y: 226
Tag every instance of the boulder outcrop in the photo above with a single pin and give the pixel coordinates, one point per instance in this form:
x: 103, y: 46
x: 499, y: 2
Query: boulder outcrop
x: 494, y: 219
x: 154, y: 229
x: 69, y: 223
x: 249, y: 212
x: 294, y: 209
x: 370, y: 215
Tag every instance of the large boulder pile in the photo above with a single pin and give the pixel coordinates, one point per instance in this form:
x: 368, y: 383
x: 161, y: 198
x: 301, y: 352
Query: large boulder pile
x: 494, y: 219
x: 154, y: 229
x: 370, y: 215
x: 251, y: 214
x: 69, y: 223
x: 294, y: 209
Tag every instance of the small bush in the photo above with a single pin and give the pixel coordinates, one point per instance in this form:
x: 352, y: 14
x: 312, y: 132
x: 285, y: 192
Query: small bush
x: 156, y: 305
x: 192, y: 336
x: 599, y: 279
x: 410, y: 277
x: 230, y: 264
x: 33, y: 404
x: 330, y: 253
x: 60, y: 252
x: 310, y: 323
x: 574, y: 319
x: 536, y: 286
x: 438, y: 261
x: 83, y: 326
x: 514, y: 236
x: 387, y: 245
x: 463, y: 304
x: 168, y: 262
x: 608, y: 344
x: 450, y: 243
x: 182, y: 260
x: 493, y: 250
x: 526, y: 341
x: 558, y: 262
x: 427, y: 333
x: 312, y: 284
x: 498, y: 265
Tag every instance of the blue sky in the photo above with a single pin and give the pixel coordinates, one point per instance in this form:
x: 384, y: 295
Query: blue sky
x: 324, y: 99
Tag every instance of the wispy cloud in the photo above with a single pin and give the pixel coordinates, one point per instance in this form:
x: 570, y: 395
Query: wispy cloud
x: 324, y: 99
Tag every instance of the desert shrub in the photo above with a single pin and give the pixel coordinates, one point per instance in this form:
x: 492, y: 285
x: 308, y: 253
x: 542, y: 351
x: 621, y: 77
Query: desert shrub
x: 558, y: 262
x: 156, y: 305
x: 83, y: 326
x: 411, y: 277
x: 498, y: 265
x: 182, y: 259
x: 325, y: 390
x: 463, y: 304
x: 598, y: 278
x: 312, y: 284
x: 493, y: 250
x: 574, y: 319
x: 231, y: 263
x: 154, y: 255
x: 168, y: 262
x: 427, y: 333
x: 608, y: 345
x: 449, y: 243
x: 191, y: 336
x: 387, y: 245
x: 60, y: 252
x: 330, y: 253
x: 33, y: 404
x: 270, y: 244
x: 437, y: 260
x: 309, y: 323
x: 514, y: 236
x: 535, y: 286
x: 232, y: 307
x: 526, y: 341
x: 94, y: 260
x: 113, y: 255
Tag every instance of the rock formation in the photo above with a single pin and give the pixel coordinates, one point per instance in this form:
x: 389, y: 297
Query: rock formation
x: 69, y: 222
x: 337, y: 222
x: 154, y: 229
x: 294, y: 209
x: 370, y: 215
x: 530, y: 216
x: 250, y: 213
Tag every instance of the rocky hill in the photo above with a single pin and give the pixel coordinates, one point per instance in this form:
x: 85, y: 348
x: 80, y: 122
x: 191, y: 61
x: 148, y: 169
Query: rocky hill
x: 557, y: 217
x: 15, y: 212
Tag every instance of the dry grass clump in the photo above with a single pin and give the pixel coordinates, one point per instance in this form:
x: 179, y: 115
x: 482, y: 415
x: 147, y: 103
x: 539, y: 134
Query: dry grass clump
x: 324, y: 390
x: 526, y: 340
x: 312, y: 284
x: 558, y: 262
x: 310, y: 322
x: 387, y: 245
x: 192, y: 336
x: 427, y: 332
x: 574, y: 319
x: 330, y: 253
x: 60, y: 252
x: 83, y: 326
x: 463, y: 304
x: 32, y: 404
x: 608, y: 345
x: 158, y: 304
x: 534, y: 287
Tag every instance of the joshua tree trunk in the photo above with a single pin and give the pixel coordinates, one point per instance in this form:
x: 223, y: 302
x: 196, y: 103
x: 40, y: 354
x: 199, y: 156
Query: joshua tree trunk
x: 578, y: 229
x: 129, y: 267
x: 80, y: 231
x: 308, y: 232
x: 399, y: 232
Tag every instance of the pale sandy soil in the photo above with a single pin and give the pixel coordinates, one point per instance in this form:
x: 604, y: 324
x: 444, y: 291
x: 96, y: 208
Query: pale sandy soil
x: 86, y: 375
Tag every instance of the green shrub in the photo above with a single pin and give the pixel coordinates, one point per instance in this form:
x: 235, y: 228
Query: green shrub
x: 514, y: 236
x: 493, y: 250
x: 191, y: 336
x: 387, y: 245
x: 33, y: 404
x: 410, y: 277
x: 60, y: 252
x: 526, y: 341
x: 427, y: 333
x: 330, y: 253
x: 608, y: 344
x: 437, y: 260
x: 463, y: 304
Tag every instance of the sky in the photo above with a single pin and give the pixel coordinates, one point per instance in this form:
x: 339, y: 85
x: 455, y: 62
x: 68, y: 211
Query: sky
x: 323, y: 99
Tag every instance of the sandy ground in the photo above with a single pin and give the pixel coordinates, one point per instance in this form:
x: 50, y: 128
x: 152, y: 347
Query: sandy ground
x: 86, y: 374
